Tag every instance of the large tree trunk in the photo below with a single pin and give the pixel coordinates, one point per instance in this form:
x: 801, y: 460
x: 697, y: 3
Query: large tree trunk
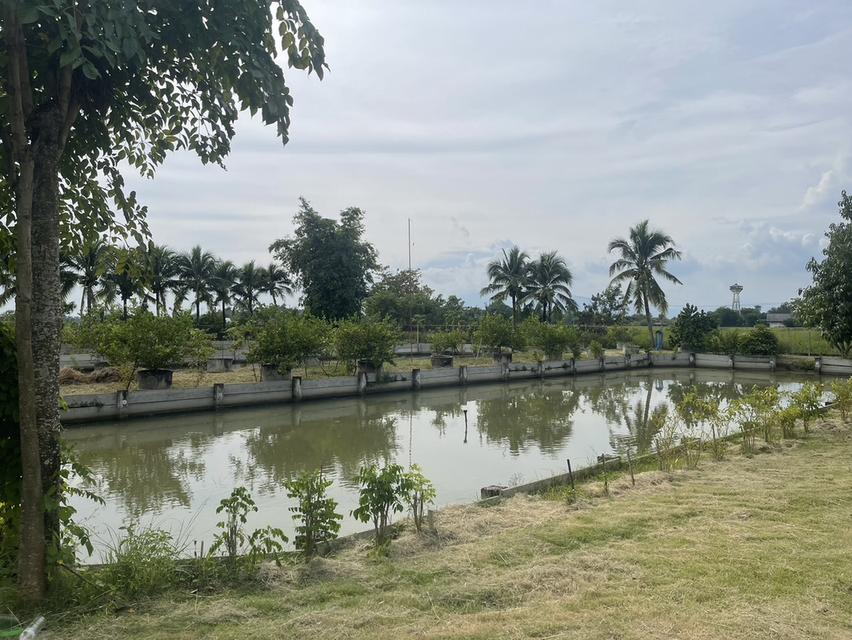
x: 514, y: 313
x: 31, y: 546
x: 47, y: 316
x: 224, y: 318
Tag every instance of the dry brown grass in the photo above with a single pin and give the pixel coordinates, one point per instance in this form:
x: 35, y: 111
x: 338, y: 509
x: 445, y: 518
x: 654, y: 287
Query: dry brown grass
x: 746, y: 548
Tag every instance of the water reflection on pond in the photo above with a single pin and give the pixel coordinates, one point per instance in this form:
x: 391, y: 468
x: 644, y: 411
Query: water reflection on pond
x: 174, y: 470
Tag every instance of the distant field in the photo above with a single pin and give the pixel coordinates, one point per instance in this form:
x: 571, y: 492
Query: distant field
x: 799, y: 340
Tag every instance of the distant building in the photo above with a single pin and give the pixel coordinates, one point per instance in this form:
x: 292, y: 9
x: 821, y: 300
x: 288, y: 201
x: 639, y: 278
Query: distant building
x: 779, y: 319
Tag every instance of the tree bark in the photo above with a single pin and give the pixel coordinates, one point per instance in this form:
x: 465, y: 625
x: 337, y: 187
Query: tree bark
x: 648, y: 318
x: 31, y: 548
x: 47, y: 312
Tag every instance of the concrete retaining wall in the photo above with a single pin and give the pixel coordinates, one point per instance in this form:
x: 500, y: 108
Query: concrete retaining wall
x: 122, y: 404
x: 833, y: 366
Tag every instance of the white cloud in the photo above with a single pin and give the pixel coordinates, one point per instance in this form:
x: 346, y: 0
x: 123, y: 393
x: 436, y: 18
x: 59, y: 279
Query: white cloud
x: 555, y: 126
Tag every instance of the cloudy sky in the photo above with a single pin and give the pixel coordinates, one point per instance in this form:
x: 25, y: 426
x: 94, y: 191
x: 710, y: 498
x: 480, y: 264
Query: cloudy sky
x: 552, y: 125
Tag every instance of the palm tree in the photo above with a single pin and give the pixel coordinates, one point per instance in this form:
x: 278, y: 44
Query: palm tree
x: 549, y: 285
x: 67, y: 280
x: 509, y: 278
x: 224, y: 277
x: 196, y: 273
x: 641, y: 258
x: 124, y: 278
x: 276, y: 283
x: 249, y: 285
x: 88, y: 263
x: 161, y: 270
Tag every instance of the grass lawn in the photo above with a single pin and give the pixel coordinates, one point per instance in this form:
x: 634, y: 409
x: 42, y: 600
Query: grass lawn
x: 798, y: 340
x: 755, y: 547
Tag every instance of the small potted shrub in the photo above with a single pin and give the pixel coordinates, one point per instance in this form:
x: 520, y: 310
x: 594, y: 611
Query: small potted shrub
x: 445, y: 345
x: 366, y: 345
x: 596, y: 350
x: 557, y: 339
x: 496, y: 332
x: 287, y: 340
x: 146, y: 346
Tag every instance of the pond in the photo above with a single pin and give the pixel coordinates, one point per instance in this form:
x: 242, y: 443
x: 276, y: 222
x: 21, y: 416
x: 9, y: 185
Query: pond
x: 172, y: 471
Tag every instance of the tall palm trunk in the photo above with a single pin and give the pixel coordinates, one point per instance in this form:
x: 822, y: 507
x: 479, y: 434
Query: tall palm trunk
x: 274, y: 301
x: 197, y: 308
x: 648, y: 318
x: 224, y: 318
x: 514, y: 312
x: 83, y: 303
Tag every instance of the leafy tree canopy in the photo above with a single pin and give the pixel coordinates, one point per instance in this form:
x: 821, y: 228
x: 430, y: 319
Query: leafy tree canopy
x: 127, y: 82
x: 605, y: 309
x: 827, y: 302
x: 692, y: 329
x: 332, y: 262
x: 747, y: 317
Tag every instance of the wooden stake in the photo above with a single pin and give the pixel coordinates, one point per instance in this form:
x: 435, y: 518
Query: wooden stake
x: 630, y: 465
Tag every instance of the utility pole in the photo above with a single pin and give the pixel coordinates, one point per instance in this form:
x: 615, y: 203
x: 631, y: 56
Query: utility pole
x: 410, y: 310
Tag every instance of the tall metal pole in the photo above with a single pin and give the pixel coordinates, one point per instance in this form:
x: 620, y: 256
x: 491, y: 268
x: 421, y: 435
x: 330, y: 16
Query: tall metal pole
x: 410, y: 310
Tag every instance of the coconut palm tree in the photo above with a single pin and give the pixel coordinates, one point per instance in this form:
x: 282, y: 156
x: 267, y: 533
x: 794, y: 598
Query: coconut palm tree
x: 643, y: 257
x: 161, y: 271
x: 224, y: 278
x: 249, y: 285
x: 88, y: 263
x: 124, y: 278
x: 549, y: 283
x: 509, y: 278
x: 276, y: 283
x: 67, y: 280
x: 195, y: 270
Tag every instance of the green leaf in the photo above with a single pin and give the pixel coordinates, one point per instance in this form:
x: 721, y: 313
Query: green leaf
x: 90, y: 71
x: 69, y: 58
x: 28, y: 13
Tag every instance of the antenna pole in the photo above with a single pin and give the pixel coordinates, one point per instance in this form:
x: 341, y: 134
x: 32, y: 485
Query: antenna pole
x: 409, y: 244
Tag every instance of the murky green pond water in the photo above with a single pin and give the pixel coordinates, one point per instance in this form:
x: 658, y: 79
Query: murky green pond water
x: 172, y: 471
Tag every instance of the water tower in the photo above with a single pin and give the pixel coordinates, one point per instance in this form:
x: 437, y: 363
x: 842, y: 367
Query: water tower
x: 736, y: 289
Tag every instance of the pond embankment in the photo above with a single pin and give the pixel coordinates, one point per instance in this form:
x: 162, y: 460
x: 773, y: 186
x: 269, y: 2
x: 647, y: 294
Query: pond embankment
x: 124, y: 404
